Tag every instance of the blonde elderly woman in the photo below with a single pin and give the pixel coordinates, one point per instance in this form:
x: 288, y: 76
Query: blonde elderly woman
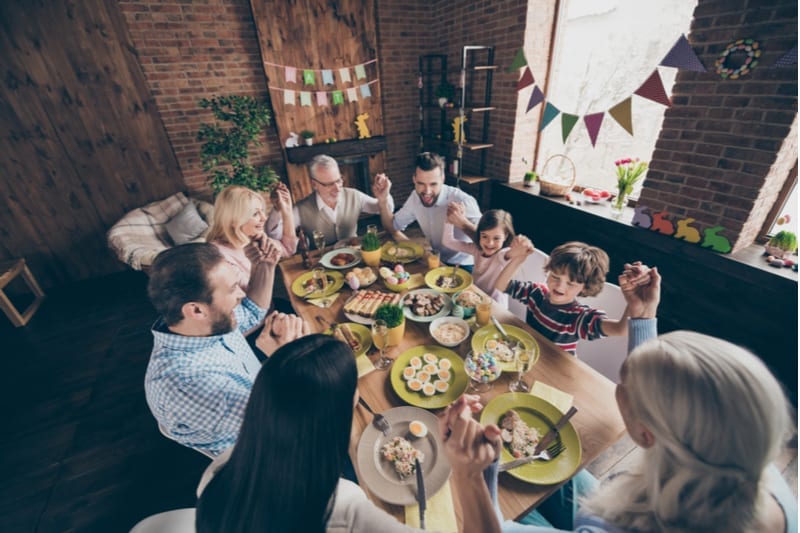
x: 239, y: 215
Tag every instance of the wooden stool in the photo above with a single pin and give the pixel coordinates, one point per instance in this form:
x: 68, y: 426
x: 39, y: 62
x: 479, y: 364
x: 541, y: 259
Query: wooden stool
x: 8, y: 271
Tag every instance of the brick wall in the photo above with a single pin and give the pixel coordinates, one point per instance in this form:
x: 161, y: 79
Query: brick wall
x: 726, y: 146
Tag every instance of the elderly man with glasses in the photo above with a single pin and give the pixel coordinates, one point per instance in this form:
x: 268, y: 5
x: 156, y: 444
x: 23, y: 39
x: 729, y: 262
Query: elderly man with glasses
x: 332, y: 208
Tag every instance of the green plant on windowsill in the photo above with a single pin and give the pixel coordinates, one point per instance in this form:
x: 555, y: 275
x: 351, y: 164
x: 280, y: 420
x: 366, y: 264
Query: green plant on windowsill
x: 782, y: 243
x: 307, y: 134
x: 390, y: 313
x: 226, y: 143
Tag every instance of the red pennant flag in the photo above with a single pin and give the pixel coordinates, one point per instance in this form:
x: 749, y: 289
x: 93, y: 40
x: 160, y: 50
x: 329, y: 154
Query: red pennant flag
x: 653, y: 89
x: 526, y: 79
x: 593, y: 123
x: 537, y: 97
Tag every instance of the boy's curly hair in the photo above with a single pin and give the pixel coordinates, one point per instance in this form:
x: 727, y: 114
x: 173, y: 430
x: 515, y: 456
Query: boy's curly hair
x: 584, y: 264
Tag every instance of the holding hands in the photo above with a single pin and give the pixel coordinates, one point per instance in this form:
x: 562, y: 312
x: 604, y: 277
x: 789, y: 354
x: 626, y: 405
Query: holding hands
x: 281, y: 198
x: 641, y: 288
x: 470, y: 447
x: 381, y: 186
x: 280, y: 329
x: 520, y: 247
x: 457, y: 214
x: 262, y: 249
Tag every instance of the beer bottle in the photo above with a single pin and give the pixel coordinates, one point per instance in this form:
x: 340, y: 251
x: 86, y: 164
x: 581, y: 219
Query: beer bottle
x: 305, y: 246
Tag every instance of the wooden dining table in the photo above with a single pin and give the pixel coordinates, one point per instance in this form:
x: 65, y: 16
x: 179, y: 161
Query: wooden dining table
x: 598, y: 422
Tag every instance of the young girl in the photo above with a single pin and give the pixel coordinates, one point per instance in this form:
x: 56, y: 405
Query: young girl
x: 573, y: 269
x: 495, y: 233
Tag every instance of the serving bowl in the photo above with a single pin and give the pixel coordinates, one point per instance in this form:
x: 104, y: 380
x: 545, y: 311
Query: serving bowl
x: 444, y: 321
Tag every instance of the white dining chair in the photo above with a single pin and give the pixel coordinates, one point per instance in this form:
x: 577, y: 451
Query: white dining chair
x: 531, y: 270
x: 175, y: 521
x: 605, y: 355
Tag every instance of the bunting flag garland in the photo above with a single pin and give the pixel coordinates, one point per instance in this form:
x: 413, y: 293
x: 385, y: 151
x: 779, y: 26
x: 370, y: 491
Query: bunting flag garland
x: 519, y: 61
x: 288, y: 97
x: 537, y: 97
x: 305, y: 98
x: 323, y: 98
x: 593, y: 123
x: 653, y: 89
x: 788, y: 59
x: 682, y: 56
x: 567, y: 123
x: 291, y: 75
x: 622, y: 114
x: 526, y: 79
x: 550, y: 112
x: 327, y: 77
x: 344, y: 74
x: 308, y: 77
x: 361, y: 74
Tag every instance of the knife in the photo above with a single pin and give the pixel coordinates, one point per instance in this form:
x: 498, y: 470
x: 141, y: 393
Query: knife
x: 420, y: 494
x: 548, y: 438
x: 502, y: 330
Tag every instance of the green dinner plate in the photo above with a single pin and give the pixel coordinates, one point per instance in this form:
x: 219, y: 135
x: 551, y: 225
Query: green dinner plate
x: 411, y: 251
x: 458, y: 378
x: 489, y: 332
x: 542, y: 415
x: 362, y: 333
x: 432, y: 276
x: 335, y: 282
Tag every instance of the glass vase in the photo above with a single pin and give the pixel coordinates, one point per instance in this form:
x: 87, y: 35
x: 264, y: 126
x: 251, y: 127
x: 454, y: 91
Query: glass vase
x: 618, y: 206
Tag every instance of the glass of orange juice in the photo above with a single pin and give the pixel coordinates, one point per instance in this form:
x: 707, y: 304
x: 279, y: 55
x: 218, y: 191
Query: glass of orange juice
x: 483, y: 311
x: 433, y: 259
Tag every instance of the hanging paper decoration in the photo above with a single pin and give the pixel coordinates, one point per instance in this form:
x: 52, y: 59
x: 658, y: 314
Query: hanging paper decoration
x: 653, y: 89
x: 288, y: 97
x: 788, y: 59
x: 308, y: 77
x: 550, y: 112
x: 525, y: 80
x: 338, y: 98
x: 351, y: 94
x: 322, y: 98
x: 305, y: 98
x: 365, y: 92
x: 537, y: 97
x: 344, y: 74
x: 327, y: 77
x: 567, y: 123
x: 622, y: 114
x: 747, y: 46
x: 682, y: 56
x: 519, y: 61
x: 291, y: 75
x: 360, y: 72
x: 593, y: 123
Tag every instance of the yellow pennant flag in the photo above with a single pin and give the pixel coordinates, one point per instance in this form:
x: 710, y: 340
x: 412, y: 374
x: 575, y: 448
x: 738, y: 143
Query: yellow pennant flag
x: 622, y: 114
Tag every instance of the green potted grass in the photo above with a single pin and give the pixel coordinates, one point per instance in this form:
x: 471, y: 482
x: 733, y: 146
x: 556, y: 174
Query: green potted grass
x: 395, y: 320
x: 371, y: 249
x: 782, y: 243
x: 308, y: 135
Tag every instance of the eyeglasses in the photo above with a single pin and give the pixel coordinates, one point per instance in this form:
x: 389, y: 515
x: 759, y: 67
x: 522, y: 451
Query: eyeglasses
x: 338, y: 182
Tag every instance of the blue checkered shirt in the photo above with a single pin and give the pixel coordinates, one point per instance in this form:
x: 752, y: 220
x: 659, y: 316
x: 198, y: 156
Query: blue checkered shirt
x: 197, y: 387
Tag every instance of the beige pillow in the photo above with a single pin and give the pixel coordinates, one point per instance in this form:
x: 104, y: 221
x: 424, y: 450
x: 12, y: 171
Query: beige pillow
x: 186, y: 226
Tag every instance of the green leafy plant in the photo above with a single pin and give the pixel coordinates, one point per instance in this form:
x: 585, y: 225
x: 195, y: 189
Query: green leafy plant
x: 531, y: 176
x: 785, y: 240
x: 629, y: 172
x: 392, y: 314
x: 370, y: 242
x: 226, y: 148
x: 306, y: 134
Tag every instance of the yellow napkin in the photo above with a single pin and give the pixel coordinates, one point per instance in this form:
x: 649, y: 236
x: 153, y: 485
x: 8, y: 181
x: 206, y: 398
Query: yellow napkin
x: 416, y: 281
x: 324, y: 301
x: 440, y: 515
x: 559, y: 398
x: 364, y: 365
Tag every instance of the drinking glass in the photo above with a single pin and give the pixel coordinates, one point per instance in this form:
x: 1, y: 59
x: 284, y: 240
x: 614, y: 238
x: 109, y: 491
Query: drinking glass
x: 320, y: 279
x: 523, y: 359
x: 433, y: 259
x: 319, y: 241
x: 380, y: 332
x: 483, y: 311
x: 372, y: 228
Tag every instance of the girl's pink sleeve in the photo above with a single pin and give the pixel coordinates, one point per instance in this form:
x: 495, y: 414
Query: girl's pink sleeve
x: 449, y: 241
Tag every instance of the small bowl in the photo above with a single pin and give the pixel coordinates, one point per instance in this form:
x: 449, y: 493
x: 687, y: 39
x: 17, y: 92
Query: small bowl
x: 397, y: 287
x: 436, y: 324
x: 469, y: 312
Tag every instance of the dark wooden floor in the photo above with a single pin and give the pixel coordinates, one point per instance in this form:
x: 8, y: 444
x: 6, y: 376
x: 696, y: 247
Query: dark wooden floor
x: 79, y: 450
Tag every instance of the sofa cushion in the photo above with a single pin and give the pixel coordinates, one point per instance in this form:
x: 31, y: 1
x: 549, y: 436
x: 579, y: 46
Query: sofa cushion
x: 186, y: 226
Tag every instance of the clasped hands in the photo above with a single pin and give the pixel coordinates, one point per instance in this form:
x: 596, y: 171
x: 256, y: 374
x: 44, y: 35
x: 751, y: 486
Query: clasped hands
x: 280, y: 329
x: 262, y: 249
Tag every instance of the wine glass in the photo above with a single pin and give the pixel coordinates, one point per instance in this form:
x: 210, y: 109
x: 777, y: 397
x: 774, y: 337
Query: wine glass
x: 380, y: 334
x: 523, y: 359
x: 319, y: 241
x: 372, y: 228
x: 482, y: 369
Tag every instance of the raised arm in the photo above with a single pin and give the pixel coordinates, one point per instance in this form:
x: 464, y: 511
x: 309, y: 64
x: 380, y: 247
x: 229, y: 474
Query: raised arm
x: 381, y: 188
x: 457, y: 215
x: 282, y: 202
x: 519, y: 250
x: 264, y: 254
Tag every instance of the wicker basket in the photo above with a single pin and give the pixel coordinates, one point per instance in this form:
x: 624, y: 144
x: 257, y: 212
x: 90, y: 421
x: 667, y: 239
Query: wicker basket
x: 552, y: 188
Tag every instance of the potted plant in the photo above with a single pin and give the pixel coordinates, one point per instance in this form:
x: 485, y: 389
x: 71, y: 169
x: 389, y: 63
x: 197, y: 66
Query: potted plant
x: 444, y: 93
x: 226, y: 148
x: 395, y: 320
x: 308, y: 135
x: 782, y: 243
x: 371, y: 249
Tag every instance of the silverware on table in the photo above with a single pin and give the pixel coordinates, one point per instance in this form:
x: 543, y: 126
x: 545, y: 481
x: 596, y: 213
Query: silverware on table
x: 421, y: 499
x: 553, y: 433
x: 502, y: 330
x: 378, y: 420
x: 552, y: 452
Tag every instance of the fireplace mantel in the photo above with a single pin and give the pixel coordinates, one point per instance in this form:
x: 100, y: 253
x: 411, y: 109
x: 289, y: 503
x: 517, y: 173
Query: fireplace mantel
x: 301, y: 155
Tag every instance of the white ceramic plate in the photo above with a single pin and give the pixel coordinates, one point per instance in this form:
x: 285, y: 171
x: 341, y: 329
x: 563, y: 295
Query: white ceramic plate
x: 326, y: 259
x: 444, y: 311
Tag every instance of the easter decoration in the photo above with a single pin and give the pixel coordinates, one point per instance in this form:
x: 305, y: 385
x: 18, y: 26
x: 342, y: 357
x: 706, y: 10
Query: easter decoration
x: 395, y: 280
x: 458, y: 130
x: 308, y: 135
x: 662, y: 224
x: 361, y: 126
x: 738, y: 59
x: 293, y: 140
x: 371, y: 249
x: 780, y: 245
x: 687, y: 232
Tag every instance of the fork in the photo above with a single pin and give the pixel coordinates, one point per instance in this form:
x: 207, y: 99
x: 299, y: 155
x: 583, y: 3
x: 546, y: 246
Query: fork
x: 378, y: 420
x: 552, y: 451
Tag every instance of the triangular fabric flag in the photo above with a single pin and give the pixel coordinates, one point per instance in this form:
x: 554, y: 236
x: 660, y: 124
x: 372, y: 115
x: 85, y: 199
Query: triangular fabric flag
x: 788, y: 59
x: 622, y: 114
x: 550, y: 112
x: 305, y: 98
x: 360, y: 72
x: 567, y: 123
x: 593, y: 123
x: 338, y: 98
x: 327, y: 77
x: 537, y: 97
x: 519, y: 61
x: 526, y: 79
x: 308, y: 77
x: 344, y: 73
x: 322, y: 98
x: 288, y: 97
x: 653, y: 89
x: 365, y: 92
x: 351, y: 94
x: 291, y: 75
x: 682, y: 56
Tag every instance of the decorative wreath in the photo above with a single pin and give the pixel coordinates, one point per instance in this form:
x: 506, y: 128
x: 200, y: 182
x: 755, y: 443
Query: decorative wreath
x: 749, y: 47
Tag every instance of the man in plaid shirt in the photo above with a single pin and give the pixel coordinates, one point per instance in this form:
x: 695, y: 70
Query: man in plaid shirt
x: 201, y: 369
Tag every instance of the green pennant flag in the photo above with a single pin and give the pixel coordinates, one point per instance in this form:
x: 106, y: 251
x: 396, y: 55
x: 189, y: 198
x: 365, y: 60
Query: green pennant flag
x: 550, y: 112
x: 308, y: 77
x: 338, y: 98
x: 567, y: 123
x: 519, y: 61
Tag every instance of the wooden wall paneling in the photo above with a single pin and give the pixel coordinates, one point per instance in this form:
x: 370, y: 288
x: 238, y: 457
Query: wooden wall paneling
x: 320, y: 34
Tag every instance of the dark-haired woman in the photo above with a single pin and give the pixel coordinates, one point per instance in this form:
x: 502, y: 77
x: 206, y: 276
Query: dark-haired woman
x: 284, y: 474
